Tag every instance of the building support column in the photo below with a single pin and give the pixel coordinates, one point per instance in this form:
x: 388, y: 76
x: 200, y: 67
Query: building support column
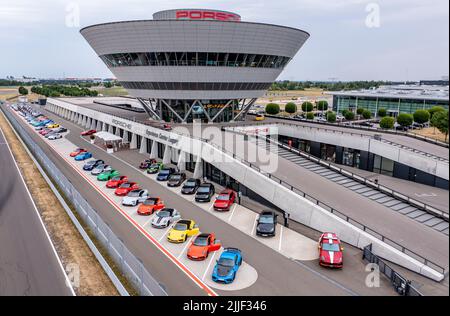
x: 154, y: 150
x: 167, y: 158
x: 143, y: 149
x: 133, y: 143
x: 93, y: 124
x: 99, y: 126
x: 110, y: 129
x: 182, y: 161
x: 198, y: 171
x: 104, y: 127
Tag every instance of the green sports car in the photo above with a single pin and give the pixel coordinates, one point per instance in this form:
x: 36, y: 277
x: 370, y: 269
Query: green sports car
x: 155, y: 167
x: 107, y: 175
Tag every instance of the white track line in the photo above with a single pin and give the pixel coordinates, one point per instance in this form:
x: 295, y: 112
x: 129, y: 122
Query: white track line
x: 185, y: 246
x: 254, y: 225
x: 232, y: 212
x: 209, y: 265
x: 281, y: 238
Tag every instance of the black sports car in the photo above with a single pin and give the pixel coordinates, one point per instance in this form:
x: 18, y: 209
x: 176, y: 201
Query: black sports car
x: 176, y: 179
x: 266, y: 224
x: 190, y: 186
x: 91, y: 164
x: 205, y: 192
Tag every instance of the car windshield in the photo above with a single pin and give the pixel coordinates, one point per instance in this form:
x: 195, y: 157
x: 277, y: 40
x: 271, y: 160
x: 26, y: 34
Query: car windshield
x: 190, y: 184
x: 175, y: 177
x: 201, y: 241
x: 92, y: 162
x: 163, y: 214
x: 223, y: 197
x: 154, y: 166
x: 150, y: 202
x: 165, y: 171
x: 266, y: 219
x: 203, y: 189
x: 100, y: 167
x: 227, y: 262
x: 134, y: 193
x: 116, y: 178
x: 330, y: 247
x: 180, y: 226
x: 125, y: 185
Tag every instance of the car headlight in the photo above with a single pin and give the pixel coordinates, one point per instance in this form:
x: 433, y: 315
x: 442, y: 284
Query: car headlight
x: 183, y: 235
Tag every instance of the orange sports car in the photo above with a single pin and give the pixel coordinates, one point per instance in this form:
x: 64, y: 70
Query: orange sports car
x: 150, y: 206
x: 202, y: 245
x: 77, y: 151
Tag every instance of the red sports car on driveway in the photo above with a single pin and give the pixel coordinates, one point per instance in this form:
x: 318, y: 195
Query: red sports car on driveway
x: 330, y: 251
x: 77, y: 151
x: 125, y: 188
x: 202, y: 245
x: 225, y: 200
x: 89, y: 132
x: 150, y: 206
x: 116, y: 181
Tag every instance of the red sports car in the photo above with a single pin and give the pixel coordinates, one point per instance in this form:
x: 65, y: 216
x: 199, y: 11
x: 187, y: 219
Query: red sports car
x: 125, y: 188
x: 202, y: 245
x: 147, y: 163
x: 44, y: 132
x: 150, y: 206
x: 225, y: 200
x: 330, y: 251
x: 77, y: 151
x: 89, y: 132
x: 116, y: 181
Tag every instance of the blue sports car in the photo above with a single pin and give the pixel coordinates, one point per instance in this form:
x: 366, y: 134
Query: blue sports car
x: 83, y: 156
x: 227, y: 266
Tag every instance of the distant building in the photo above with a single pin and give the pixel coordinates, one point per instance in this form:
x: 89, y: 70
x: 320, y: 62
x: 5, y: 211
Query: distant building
x: 395, y: 99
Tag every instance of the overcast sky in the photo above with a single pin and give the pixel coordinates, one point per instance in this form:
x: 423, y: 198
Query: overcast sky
x: 350, y: 39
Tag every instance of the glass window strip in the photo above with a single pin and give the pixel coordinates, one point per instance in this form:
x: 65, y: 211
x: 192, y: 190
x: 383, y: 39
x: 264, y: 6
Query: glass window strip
x: 208, y: 86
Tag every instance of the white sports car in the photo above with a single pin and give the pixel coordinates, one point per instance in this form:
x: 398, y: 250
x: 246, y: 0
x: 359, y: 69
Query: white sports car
x: 100, y: 168
x: 163, y: 218
x: 54, y: 136
x: 134, y: 197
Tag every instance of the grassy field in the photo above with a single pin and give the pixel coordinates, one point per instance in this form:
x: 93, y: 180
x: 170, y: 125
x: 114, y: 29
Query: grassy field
x: 111, y: 92
x: 298, y: 97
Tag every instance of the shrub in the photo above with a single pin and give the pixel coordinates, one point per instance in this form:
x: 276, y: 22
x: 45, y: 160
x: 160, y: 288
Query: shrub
x: 405, y: 119
x: 290, y: 107
x: 349, y: 115
x: 272, y: 108
x: 322, y: 105
x: 382, y: 112
x: 421, y: 116
x: 359, y: 111
x: 331, y: 117
x: 440, y: 121
x: 23, y: 91
x: 366, y: 114
x: 387, y: 122
x: 310, y: 116
x: 307, y: 106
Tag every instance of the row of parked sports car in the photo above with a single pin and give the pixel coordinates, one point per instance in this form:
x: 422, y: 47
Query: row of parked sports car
x: 133, y: 194
x: 41, y: 123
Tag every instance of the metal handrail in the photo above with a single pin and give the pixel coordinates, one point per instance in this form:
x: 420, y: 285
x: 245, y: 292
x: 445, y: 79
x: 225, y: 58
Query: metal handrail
x: 426, y: 207
x: 366, y: 128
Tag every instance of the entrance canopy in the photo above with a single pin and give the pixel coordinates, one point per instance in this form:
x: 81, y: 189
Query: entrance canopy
x: 107, y: 137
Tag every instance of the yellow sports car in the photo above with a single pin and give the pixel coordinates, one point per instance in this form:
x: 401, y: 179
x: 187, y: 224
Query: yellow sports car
x: 53, y: 126
x: 260, y: 117
x: 182, y: 229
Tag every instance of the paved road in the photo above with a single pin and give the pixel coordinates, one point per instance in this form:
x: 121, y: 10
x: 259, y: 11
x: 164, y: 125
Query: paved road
x: 28, y: 263
x: 277, y: 274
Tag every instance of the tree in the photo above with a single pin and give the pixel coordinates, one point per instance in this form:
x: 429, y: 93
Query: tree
x: 434, y: 110
x: 23, y: 91
x: 382, y: 112
x: 290, y: 107
x: 307, y: 106
x: 359, y: 111
x: 310, y: 116
x: 108, y: 84
x: 272, y: 108
x: 366, y: 114
x: 349, y: 115
x: 322, y: 105
x: 387, y: 122
x: 440, y: 121
x: 421, y: 116
x: 331, y: 117
x: 405, y: 119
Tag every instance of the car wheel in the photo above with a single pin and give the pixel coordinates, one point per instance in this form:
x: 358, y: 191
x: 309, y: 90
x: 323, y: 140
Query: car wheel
x: 185, y: 238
